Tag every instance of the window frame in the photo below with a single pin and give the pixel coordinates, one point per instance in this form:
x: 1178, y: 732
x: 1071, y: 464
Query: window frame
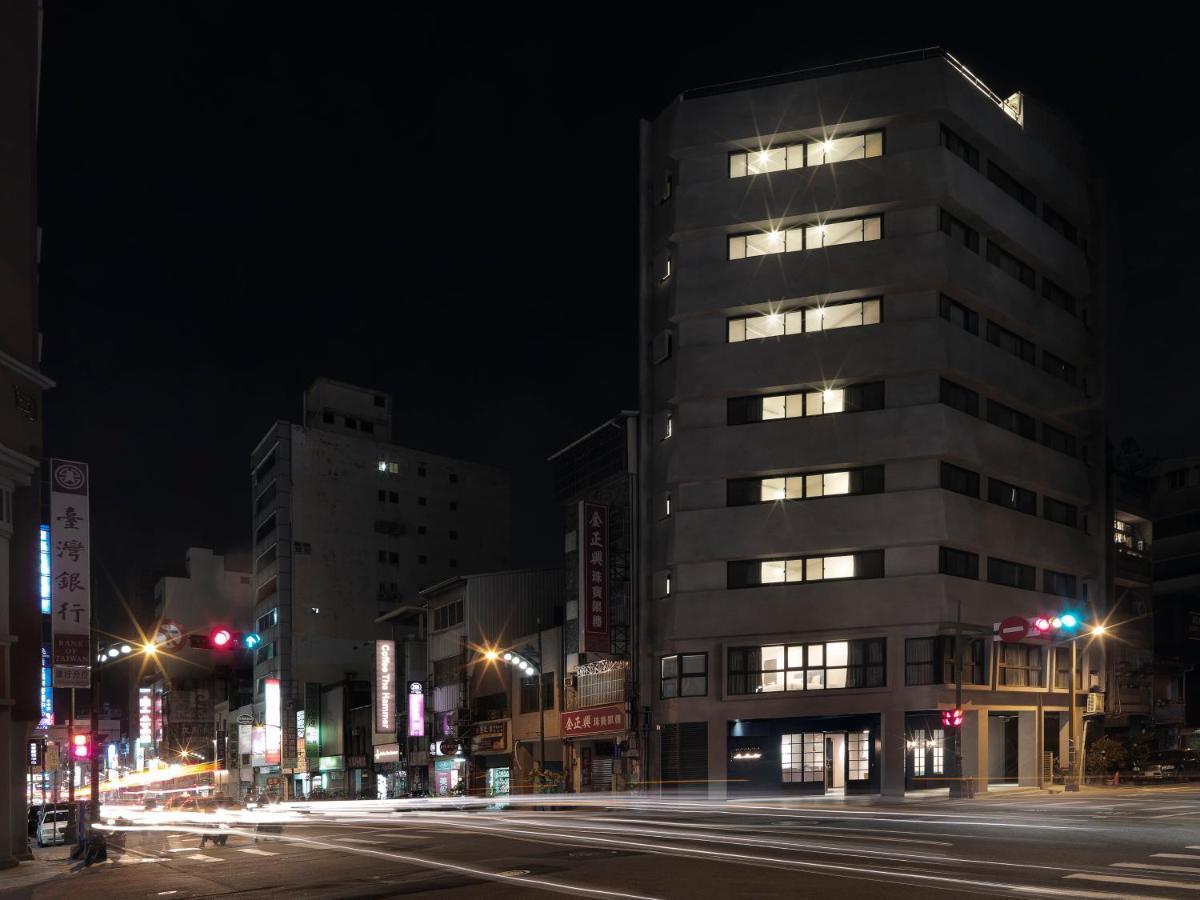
x: 803, y: 146
x: 870, y: 480
x: 740, y: 573
x: 948, y: 559
x: 947, y: 305
x: 950, y: 469
x: 1023, y: 500
x: 679, y: 676
x: 869, y: 674
x: 799, y: 315
x: 799, y: 234
x: 1025, y: 576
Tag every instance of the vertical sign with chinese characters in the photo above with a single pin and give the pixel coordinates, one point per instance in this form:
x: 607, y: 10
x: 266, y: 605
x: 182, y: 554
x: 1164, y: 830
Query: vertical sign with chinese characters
x: 593, y: 576
x: 385, y: 687
x: 70, y: 573
x: 301, y: 749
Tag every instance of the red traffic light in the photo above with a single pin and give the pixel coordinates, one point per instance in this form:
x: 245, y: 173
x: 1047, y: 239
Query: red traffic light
x: 81, y: 746
x: 952, y: 718
x: 220, y: 638
x: 1041, y: 623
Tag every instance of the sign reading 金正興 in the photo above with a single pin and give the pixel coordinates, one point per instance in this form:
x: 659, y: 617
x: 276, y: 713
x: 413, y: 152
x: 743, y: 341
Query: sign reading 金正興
x: 416, y: 709
x: 597, y: 720
x: 385, y: 687
x: 70, y: 569
x: 593, y: 575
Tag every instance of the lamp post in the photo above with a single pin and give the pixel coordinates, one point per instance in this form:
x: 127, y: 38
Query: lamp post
x: 1076, y: 775
x: 529, y: 661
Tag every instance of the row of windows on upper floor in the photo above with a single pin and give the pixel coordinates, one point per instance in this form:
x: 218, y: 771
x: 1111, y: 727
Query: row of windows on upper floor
x: 804, y: 154
x: 969, y: 154
x: 958, y: 314
x: 870, y: 396
x: 865, y: 564
x: 394, y: 468
x: 870, y: 480
x: 847, y: 664
x: 830, y: 316
x: 1010, y: 264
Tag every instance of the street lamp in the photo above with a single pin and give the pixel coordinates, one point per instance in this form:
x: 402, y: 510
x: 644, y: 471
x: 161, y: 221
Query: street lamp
x: 529, y: 661
x: 1096, y: 631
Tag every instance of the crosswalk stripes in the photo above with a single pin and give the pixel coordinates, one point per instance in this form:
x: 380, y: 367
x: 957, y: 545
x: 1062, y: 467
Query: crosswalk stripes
x: 200, y: 857
x: 254, y: 851
x: 1150, y: 874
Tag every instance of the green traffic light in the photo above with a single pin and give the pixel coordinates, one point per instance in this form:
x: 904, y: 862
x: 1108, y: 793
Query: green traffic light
x: 251, y: 641
x: 1069, y: 620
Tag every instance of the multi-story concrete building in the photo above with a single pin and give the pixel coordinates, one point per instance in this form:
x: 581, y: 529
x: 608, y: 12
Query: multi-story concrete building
x: 598, y: 474
x: 871, y: 315
x: 1175, y: 506
x: 346, y: 527
x: 21, y: 386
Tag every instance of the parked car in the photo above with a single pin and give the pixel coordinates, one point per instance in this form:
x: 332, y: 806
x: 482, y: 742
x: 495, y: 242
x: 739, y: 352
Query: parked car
x: 52, y: 827
x: 1169, y: 765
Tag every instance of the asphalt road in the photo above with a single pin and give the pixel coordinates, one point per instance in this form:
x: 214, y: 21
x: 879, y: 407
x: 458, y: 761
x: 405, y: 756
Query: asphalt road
x: 1104, y: 843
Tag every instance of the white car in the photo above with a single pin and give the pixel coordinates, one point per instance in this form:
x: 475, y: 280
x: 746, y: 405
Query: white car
x: 52, y: 827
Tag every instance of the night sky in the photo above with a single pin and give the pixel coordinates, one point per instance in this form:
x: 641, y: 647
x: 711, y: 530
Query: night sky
x: 237, y: 197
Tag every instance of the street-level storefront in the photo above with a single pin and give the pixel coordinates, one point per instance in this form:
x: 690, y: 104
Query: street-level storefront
x: 596, y: 740
x: 449, y: 775
x: 929, y: 760
x: 391, y: 777
x: 810, y: 755
x: 491, y: 758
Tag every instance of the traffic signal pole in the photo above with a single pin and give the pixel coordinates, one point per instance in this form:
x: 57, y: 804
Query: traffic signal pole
x: 1073, y: 779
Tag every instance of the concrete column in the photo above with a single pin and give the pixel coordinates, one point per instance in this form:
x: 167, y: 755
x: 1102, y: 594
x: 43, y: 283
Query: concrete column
x: 10, y: 852
x: 1064, y: 739
x: 718, y: 759
x: 1028, y: 748
x: 975, y: 748
x: 892, y: 752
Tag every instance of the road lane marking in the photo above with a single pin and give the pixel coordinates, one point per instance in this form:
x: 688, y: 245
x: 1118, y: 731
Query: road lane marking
x: 254, y: 851
x: 1178, y: 855
x: 1187, y: 870
x: 353, y: 840
x: 203, y: 858
x: 1146, y: 882
x: 182, y: 849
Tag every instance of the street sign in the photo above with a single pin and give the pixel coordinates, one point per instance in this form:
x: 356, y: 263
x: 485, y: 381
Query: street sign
x: 1014, y: 629
x: 245, y: 719
x: 169, y: 636
x: 72, y: 676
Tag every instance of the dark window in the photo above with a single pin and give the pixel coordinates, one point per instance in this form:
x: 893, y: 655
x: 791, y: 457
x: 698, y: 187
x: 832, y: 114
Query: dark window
x: 266, y: 589
x: 394, y: 557
x: 1057, y: 295
x: 420, y: 529
x: 529, y: 689
x: 1063, y: 513
x: 1011, y: 574
x: 1012, y: 497
x: 1058, y: 440
x: 961, y: 481
x: 453, y: 506
x: 1006, y: 262
x: 422, y: 560
x: 267, y: 620
x: 957, y: 314
x: 368, y: 427
x: 393, y: 497
x: 383, y: 556
x: 1059, y: 368
x: 327, y: 417
x: 1020, y: 665
x: 421, y: 471
x: 454, y: 563
x: 1011, y: 343
x: 959, y: 231
x: 382, y: 496
x: 931, y: 660
x: 683, y: 675
x: 958, y: 562
x: 351, y: 423
x: 421, y: 501
x: 379, y: 401
x: 1059, y: 584
x: 1176, y: 479
x: 1010, y: 420
x: 1173, y: 526
x: 454, y: 535
x: 960, y: 398
x: 861, y: 397
x: 1011, y: 186
x: 265, y: 529
x: 1059, y: 223
x: 960, y: 148
x: 453, y: 478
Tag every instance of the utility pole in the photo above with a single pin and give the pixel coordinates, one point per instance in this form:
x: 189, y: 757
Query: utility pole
x: 541, y: 689
x: 1073, y: 780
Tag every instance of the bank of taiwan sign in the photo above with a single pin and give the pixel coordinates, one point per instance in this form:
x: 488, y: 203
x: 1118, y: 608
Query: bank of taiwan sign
x: 593, y: 575
x: 70, y: 573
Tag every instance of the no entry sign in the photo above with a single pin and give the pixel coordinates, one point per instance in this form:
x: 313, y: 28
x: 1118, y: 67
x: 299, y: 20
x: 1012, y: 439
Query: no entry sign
x: 1014, y: 629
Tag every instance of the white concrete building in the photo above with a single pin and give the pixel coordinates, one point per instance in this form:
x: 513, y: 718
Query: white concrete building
x: 872, y: 318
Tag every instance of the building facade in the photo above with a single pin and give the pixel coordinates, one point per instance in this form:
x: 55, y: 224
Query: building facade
x: 871, y: 318
x: 346, y: 527
x: 21, y: 387
x: 596, y: 483
x: 475, y: 719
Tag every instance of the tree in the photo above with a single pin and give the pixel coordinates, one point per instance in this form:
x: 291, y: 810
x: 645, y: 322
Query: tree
x: 1106, y: 756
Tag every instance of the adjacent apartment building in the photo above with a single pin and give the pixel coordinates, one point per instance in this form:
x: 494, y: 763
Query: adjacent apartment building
x: 346, y: 527
x: 871, y: 316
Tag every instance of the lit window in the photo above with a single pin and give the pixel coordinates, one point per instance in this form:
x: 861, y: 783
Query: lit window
x: 800, y: 321
x: 382, y: 466
x: 805, y: 237
x: 810, y: 153
x: 806, y: 667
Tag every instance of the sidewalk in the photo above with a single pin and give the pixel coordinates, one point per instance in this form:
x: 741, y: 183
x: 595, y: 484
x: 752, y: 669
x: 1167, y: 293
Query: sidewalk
x: 48, y: 863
